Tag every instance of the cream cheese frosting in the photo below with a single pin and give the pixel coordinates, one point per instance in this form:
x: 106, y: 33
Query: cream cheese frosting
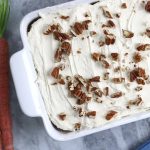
x: 61, y: 107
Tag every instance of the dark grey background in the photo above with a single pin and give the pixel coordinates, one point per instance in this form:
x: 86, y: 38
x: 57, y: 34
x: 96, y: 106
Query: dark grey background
x: 29, y: 133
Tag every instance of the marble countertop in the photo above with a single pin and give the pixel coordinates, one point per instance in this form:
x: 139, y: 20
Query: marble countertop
x: 29, y: 133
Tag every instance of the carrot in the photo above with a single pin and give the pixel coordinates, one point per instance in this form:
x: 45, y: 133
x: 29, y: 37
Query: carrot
x: 5, y: 121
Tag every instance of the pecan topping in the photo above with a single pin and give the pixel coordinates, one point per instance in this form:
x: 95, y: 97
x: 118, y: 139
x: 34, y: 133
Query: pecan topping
x: 124, y: 5
x: 137, y: 57
x: 62, y: 116
x: 127, y: 34
x: 106, y: 91
x: 110, y: 114
x: 97, y: 91
x: 139, y: 88
x: 143, y: 47
x: 77, y: 126
x: 117, y: 69
x: 101, y: 43
x: 148, y: 32
x: 138, y: 72
x: 61, y: 36
x: 147, y: 6
x: 79, y: 27
x: 105, y: 64
x: 106, y: 76
x: 61, y: 81
x: 58, y: 55
x: 116, y: 95
x: 110, y: 39
x: 118, y: 80
x: 96, y: 56
x: 93, y: 33
x: 138, y: 101
x: 91, y: 114
x: 140, y: 81
x: 110, y: 24
x: 95, y: 79
x: 106, y: 12
x: 64, y: 17
x: 51, y: 29
x: 115, y: 56
x: 55, y: 72
x: 66, y: 48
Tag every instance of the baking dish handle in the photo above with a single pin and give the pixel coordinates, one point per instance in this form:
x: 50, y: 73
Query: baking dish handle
x: 26, y: 88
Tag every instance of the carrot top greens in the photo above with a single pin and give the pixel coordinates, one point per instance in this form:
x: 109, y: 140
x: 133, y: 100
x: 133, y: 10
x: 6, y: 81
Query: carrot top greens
x: 4, y: 14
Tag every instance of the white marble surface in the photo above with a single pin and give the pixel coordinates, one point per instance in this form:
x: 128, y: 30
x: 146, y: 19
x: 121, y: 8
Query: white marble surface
x: 29, y: 133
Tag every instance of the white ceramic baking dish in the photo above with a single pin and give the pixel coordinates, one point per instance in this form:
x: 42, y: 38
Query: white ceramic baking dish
x: 30, y: 99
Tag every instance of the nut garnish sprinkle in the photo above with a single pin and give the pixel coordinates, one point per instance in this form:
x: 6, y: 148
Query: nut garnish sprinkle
x: 124, y: 5
x: 106, y: 91
x: 137, y: 57
x: 91, y: 114
x: 110, y: 39
x: 140, y: 81
x: 147, y: 6
x: 110, y: 114
x: 106, y: 76
x: 62, y: 116
x: 58, y: 55
x: 64, y: 17
x: 116, y: 95
x: 55, y: 72
x: 77, y: 126
x: 96, y: 56
x: 118, y: 80
x: 127, y: 34
x: 52, y: 28
x: 148, y: 32
x: 66, y: 48
x: 106, y: 12
x: 143, y: 47
x: 105, y: 64
x: 138, y: 88
x: 61, y: 36
x: 138, y: 101
x: 95, y: 79
x: 101, y: 43
x: 115, y: 56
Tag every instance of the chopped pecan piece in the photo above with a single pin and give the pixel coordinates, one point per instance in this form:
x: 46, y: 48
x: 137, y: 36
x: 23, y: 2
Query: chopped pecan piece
x: 61, y: 36
x: 117, y: 69
x: 91, y: 114
x: 141, y: 72
x: 139, y: 88
x: 77, y: 126
x: 58, y: 55
x: 81, y: 80
x: 96, y: 56
x: 110, y: 39
x: 143, y: 47
x: 138, y: 101
x: 115, y: 56
x: 51, y: 29
x: 64, y: 17
x: 110, y: 24
x: 66, y: 48
x: 127, y: 34
x: 101, y: 43
x: 106, y: 91
x: 105, y: 64
x: 118, y: 15
x: 140, y: 81
x: 118, y: 80
x: 61, y: 81
x: 148, y: 32
x: 106, y: 76
x: 85, y: 24
x: 78, y: 28
x: 133, y: 75
x: 147, y: 6
x: 106, y: 12
x: 137, y: 57
x: 62, y: 116
x: 97, y: 91
x: 93, y: 33
x: 55, y: 72
x: 95, y: 79
x: 116, y: 95
x: 110, y: 114
x: 124, y: 5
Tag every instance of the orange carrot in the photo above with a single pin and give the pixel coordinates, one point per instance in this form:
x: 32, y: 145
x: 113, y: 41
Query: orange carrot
x: 5, y: 118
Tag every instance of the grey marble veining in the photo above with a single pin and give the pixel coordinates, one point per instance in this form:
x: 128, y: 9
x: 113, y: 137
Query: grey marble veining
x: 29, y: 133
